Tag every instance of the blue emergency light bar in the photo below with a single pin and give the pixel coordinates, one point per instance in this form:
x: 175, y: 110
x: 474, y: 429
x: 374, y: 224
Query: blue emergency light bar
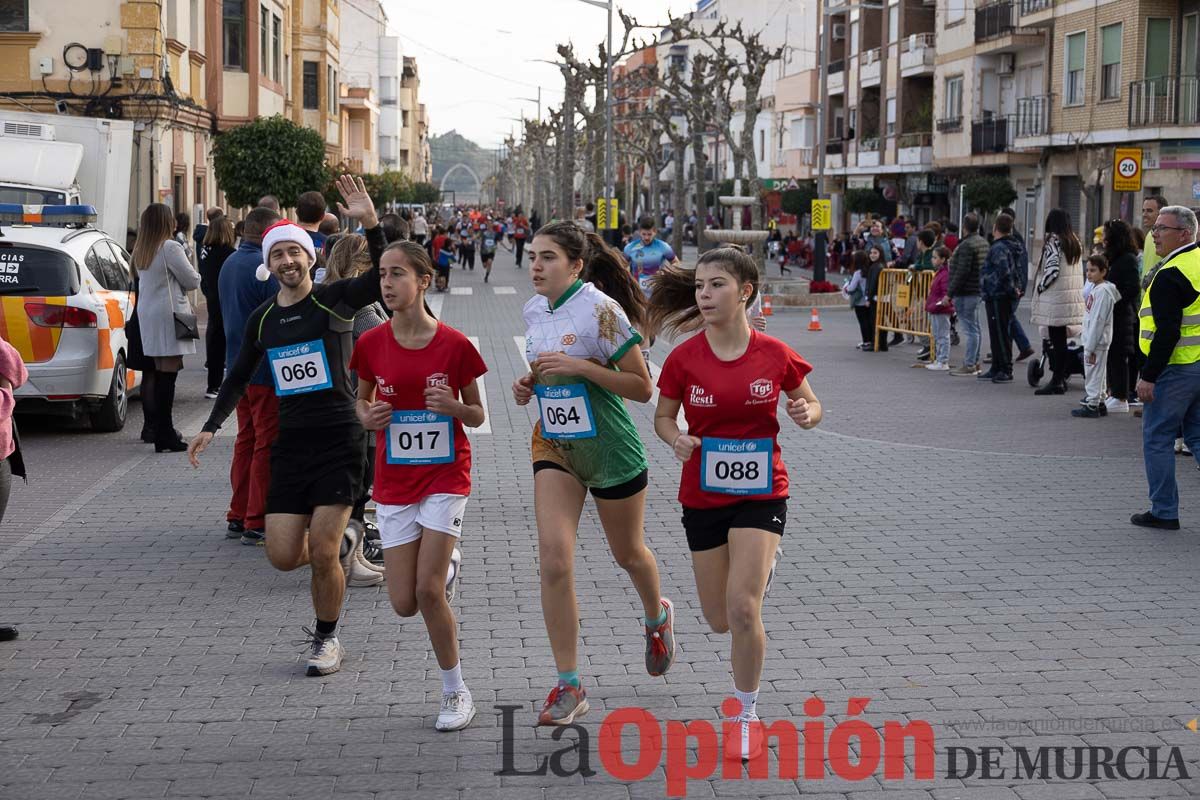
x: 17, y: 214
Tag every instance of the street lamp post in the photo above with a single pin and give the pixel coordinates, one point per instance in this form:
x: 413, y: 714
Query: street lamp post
x: 608, y: 98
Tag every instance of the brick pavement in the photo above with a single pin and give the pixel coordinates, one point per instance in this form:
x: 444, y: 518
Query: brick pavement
x: 957, y: 552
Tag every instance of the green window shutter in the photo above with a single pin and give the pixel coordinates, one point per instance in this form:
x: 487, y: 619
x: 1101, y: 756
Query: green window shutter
x: 1075, y: 51
x: 1158, y: 48
x: 1110, y: 45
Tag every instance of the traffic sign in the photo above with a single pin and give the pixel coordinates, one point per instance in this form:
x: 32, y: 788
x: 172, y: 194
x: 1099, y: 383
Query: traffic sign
x: 822, y: 215
x: 607, y: 214
x: 1127, y: 169
x: 614, y: 214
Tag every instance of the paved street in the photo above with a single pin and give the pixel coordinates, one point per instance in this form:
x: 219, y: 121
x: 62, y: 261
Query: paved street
x: 957, y: 552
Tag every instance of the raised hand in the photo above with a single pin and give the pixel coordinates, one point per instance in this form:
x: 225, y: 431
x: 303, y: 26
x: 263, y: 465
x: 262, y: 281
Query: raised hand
x: 359, y: 205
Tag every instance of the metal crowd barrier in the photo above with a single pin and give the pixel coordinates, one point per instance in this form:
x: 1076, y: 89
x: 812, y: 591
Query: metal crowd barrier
x: 901, y: 307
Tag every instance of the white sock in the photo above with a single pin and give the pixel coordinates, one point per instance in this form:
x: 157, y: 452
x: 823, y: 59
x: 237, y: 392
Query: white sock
x: 748, y: 701
x: 452, y: 679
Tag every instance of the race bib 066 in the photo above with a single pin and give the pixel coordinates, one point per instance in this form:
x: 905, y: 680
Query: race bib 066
x: 420, y: 437
x: 566, y: 412
x: 736, y: 466
x: 300, y: 368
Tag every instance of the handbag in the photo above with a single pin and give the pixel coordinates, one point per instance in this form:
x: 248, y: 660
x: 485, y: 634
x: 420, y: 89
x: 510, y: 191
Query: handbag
x: 185, y: 321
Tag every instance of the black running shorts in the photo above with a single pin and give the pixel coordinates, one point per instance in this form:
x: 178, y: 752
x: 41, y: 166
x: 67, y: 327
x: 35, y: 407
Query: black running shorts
x: 708, y: 528
x: 316, y: 467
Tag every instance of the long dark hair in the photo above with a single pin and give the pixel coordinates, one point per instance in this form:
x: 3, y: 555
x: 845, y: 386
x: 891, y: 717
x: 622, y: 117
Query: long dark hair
x: 155, y: 227
x: 1118, y: 240
x: 861, y: 262
x: 1059, y: 223
x: 603, y: 266
x: 673, y: 289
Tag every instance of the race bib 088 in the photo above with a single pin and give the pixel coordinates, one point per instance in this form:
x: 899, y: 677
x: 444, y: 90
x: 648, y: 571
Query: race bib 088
x: 420, y: 437
x: 736, y: 466
x: 300, y: 368
x: 566, y: 412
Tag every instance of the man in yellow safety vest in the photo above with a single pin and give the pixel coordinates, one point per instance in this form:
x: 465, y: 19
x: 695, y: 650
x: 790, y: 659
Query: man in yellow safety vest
x: 1169, y: 337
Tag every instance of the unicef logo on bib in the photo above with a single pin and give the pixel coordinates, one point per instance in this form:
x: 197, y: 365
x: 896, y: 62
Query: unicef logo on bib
x: 736, y: 466
x: 566, y: 412
x: 300, y: 368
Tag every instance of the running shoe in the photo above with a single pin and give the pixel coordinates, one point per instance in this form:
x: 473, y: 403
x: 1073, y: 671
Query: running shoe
x: 458, y: 709
x: 564, y: 704
x: 660, y: 643
x: 351, y: 549
x: 746, y: 743
x: 324, y: 655
x: 234, y: 529
x: 373, y: 553
x: 364, y: 573
x: 252, y: 537
x: 774, y: 566
x: 211, y: 394
x: 452, y: 575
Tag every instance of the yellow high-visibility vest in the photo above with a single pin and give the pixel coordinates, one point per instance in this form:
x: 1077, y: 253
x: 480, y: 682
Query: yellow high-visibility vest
x: 1187, y: 349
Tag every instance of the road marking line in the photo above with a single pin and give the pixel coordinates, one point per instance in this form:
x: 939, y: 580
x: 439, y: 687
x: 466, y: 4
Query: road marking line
x: 461, y: 290
x: 504, y: 289
x: 435, y: 303
x: 519, y: 341
x: 486, y: 427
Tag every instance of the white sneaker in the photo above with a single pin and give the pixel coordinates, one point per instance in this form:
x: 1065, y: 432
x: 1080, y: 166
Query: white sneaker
x: 452, y: 576
x: 747, y: 741
x: 325, y: 658
x: 774, y: 566
x: 1116, y: 406
x: 364, y: 573
x: 458, y: 709
x: 351, y: 547
x: 938, y: 366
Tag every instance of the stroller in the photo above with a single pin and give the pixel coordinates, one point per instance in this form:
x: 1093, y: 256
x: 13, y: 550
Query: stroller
x: 1039, y: 366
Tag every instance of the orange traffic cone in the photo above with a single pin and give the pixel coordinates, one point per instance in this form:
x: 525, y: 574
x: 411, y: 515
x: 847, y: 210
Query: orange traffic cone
x: 815, y: 323
x: 767, y: 305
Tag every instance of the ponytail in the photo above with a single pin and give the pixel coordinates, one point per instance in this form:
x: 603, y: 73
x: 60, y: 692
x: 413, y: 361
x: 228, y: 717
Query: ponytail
x: 673, y: 306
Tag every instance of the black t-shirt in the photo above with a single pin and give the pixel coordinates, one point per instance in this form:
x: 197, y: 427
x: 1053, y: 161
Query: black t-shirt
x: 308, y: 347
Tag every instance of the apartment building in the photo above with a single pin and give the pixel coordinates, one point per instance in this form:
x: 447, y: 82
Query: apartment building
x: 415, y: 158
x: 315, y: 94
x: 149, y: 62
x: 371, y: 62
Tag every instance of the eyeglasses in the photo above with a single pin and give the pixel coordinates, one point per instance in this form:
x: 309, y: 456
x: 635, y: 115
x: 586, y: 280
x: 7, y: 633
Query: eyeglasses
x: 1161, y: 228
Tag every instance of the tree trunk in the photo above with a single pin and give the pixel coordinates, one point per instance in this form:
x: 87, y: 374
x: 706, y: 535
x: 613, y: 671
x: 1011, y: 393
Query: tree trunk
x: 700, y: 157
x: 655, y: 188
x: 678, y: 195
x: 566, y: 176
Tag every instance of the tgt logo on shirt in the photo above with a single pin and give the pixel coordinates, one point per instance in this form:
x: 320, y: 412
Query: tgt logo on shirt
x: 761, y: 388
x: 700, y: 398
x: 437, y: 379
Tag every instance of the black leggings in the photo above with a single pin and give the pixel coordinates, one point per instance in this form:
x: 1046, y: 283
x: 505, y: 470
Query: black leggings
x: 1122, y: 373
x: 865, y: 328
x: 520, y: 248
x: 1058, y: 353
x: 214, y: 343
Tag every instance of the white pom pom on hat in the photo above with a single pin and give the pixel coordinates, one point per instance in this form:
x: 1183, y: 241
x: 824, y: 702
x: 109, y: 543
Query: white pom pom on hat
x: 262, y: 273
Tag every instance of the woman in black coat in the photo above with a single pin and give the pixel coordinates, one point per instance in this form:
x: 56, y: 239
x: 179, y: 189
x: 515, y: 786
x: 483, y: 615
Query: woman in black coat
x: 1122, y: 257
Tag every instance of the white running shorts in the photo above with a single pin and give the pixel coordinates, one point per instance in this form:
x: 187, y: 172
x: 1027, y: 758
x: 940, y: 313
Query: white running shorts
x: 403, y: 524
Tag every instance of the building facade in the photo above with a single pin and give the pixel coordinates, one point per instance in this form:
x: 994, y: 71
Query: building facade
x: 415, y: 158
x: 315, y: 71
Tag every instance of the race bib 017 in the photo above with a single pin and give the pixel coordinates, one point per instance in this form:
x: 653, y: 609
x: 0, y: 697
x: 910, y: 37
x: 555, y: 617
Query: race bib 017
x: 736, y: 466
x: 300, y: 368
x: 420, y: 437
x: 566, y: 412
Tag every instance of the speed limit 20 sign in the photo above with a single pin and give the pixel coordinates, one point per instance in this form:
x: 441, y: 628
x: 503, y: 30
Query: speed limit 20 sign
x: 1127, y: 169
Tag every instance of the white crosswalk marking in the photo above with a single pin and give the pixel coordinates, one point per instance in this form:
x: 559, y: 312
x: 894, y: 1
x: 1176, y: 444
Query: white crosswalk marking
x: 504, y: 289
x: 519, y: 341
x: 486, y: 427
x: 435, y: 303
x: 461, y: 290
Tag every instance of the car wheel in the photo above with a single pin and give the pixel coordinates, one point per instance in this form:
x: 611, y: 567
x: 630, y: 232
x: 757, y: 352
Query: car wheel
x: 110, y: 416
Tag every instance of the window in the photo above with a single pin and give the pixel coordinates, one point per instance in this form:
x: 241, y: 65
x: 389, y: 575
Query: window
x: 851, y: 122
x: 891, y: 116
x: 1110, y: 62
x: 1191, y: 40
x: 198, y: 190
x: 122, y: 275
x: 14, y: 15
x: 955, y: 12
x: 762, y: 145
x: 104, y: 266
x: 233, y: 33
x: 893, y: 23
x: 387, y: 91
x: 331, y: 90
x: 1158, y: 48
x: 311, y: 92
x: 1076, y: 61
x: 276, y: 48
x: 264, y: 48
x: 954, y: 89
x: 197, y: 35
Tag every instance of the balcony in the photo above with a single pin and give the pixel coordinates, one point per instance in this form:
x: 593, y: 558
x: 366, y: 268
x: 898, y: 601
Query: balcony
x: 1035, y: 13
x: 997, y: 29
x: 836, y: 82
x: 914, y: 149
x: 835, y: 154
x: 949, y: 125
x: 990, y: 136
x: 870, y: 68
x: 917, y: 55
x: 1169, y: 100
x: 868, y: 152
x: 1033, y: 116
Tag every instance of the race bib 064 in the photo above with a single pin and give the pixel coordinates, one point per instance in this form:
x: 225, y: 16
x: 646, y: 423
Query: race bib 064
x: 736, y: 466
x: 300, y: 368
x: 566, y: 412
x: 420, y: 437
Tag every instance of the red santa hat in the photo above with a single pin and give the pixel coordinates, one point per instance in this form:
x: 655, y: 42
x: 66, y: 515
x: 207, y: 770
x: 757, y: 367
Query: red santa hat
x: 281, y: 233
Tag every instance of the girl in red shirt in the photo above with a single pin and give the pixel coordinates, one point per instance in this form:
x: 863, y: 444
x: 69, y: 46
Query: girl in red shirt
x: 734, y: 488
x: 417, y: 387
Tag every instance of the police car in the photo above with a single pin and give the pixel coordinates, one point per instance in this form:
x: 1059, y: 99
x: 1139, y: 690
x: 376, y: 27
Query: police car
x: 66, y: 291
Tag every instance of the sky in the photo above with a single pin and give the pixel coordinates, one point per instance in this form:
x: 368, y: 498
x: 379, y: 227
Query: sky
x: 478, y: 58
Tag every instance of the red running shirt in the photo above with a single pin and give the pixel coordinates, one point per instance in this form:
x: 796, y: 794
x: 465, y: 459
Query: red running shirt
x: 401, y: 377
x: 731, y: 400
